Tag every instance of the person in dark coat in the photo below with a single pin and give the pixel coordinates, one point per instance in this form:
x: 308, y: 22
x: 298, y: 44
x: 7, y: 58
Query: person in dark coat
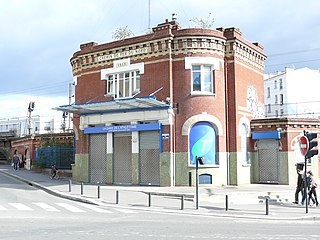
x: 312, y: 192
x: 15, y: 161
x: 299, y: 188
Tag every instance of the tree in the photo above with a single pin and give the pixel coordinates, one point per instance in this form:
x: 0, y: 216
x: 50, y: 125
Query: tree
x: 122, y: 33
x: 203, y: 22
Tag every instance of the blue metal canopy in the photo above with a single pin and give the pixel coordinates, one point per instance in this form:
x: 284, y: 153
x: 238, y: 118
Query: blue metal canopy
x: 148, y: 103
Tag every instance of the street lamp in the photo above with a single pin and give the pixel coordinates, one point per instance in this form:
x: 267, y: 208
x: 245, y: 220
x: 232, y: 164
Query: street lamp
x: 201, y: 161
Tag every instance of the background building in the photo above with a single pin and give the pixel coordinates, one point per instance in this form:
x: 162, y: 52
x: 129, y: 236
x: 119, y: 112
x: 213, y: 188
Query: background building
x: 147, y: 106
x: 293, y: 93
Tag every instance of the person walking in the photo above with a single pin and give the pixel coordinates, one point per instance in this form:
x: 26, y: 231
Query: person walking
x: 15, y: 161
x: 299, y: 188
x: 312, y: 192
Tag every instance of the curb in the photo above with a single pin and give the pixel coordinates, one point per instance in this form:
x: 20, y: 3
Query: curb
x: 100, y: 202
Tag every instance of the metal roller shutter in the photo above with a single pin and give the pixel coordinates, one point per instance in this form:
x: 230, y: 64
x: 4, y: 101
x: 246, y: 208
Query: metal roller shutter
x: 122, y: 158
x: 268, y: 158
x: 149, y: 158
x: 97, y: 158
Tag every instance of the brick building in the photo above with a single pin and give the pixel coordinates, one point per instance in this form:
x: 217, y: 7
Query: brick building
x: 276, y: 149
x: 146, y: 106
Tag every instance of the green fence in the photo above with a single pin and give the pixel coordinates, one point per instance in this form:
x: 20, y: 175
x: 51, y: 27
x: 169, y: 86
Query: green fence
x: 62, y: 157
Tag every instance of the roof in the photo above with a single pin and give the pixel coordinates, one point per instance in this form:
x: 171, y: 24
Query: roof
x: 148, y: 103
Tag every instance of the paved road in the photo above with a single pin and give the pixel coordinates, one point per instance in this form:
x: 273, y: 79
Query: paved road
x: 244, y: 201
x: 31, y: 214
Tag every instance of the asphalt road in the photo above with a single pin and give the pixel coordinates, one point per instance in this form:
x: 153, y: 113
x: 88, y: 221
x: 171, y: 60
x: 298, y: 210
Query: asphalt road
x: 28, y: 213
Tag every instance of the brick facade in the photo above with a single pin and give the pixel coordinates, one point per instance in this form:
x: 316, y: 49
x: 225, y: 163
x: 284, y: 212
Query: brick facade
x: 168, y: 55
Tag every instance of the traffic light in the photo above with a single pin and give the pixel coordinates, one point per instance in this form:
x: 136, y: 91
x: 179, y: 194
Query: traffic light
x: 313, y: 143
x: 31, y: 106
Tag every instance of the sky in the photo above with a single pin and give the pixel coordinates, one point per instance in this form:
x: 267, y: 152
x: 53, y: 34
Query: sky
x: 38, y: 38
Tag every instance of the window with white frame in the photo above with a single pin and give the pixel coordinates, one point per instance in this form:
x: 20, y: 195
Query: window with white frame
x: 202, y: 79
x: 268, y: 92
x: 280, y: 84
x: 276, y: 99
x: 281, y: 112
x: 121, y: 85
x: 244, y: 144
x: 281, y: 99
x: 275, y: 84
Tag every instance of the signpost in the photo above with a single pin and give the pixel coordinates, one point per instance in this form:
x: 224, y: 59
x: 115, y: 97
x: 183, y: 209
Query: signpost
x: 304, y: 147
x: 307, y: 144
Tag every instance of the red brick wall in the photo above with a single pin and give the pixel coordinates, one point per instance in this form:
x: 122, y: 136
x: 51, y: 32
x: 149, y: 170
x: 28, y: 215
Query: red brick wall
x: 165, y: 68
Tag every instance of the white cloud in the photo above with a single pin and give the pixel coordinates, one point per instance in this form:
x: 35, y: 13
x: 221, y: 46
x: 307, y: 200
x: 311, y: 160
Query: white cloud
x: 39, y: 37
x: 17, y: 106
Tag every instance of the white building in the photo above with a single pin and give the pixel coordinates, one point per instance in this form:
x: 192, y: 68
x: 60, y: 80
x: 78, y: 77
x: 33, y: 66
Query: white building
x: 21, y: 126
x: 292, y: 93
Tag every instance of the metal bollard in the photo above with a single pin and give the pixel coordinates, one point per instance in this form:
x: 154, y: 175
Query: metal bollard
x: 70, y: 182
x: 81, y: 188
x: 117, y: 197
x: 182, y: 202
x: 149, y: 199
x: 227, y: 203
x: 98, y: 191
x: 267, y: 206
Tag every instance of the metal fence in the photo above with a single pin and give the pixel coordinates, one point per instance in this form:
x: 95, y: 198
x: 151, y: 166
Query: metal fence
x: 62, y: 157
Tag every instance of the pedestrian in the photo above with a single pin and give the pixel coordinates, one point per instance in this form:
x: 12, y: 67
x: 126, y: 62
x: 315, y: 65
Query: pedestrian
x: 300, y: 187
x: 54, y: 171
x: 15, y: 161
x: 312, y: 192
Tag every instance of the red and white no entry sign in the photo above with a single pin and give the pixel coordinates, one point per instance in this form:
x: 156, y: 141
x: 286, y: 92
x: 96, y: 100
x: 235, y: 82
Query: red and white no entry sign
x: 304, y: 145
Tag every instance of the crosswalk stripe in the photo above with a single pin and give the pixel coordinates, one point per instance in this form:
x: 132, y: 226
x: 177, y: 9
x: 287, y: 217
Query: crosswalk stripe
x: 21, y: 206
x: 2, y: 208
x: 70, y: 207
x: 46, y: 207
x: 94, y: 208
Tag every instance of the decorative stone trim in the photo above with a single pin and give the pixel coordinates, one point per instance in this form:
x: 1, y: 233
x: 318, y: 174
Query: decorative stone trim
x: 204, y: 117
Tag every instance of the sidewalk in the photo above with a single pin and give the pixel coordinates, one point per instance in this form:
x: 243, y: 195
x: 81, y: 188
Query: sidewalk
x: 243, y: 201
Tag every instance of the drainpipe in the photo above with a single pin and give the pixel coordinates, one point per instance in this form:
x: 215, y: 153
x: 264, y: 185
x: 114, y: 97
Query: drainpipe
x: 172, y: 128
x: 227, y: 120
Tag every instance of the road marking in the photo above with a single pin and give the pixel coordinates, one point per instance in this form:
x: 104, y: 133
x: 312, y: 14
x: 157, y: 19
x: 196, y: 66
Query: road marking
x: 69, y: 207
x: 21, y: 206
x: 46, y: 207
x: 2, y: 208
x: 94, y: 208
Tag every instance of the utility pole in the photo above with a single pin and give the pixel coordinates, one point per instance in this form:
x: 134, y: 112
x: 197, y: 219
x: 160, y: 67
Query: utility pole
x: 30, y: 109
x: 70, y: 99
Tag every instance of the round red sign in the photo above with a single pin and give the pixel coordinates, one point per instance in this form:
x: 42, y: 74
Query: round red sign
x: 304, y: 145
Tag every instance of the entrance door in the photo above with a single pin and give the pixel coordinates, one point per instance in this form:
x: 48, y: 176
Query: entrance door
x: 98, y: 158
x: 149, y: 158
x: 122, y: 158
x: 268, y: 159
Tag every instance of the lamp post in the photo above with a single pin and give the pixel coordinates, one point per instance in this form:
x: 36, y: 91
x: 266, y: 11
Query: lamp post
x: 201, y: 161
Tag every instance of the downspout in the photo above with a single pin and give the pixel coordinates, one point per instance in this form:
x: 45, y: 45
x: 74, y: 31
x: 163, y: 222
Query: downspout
x: 172, y: 130
x: 227, y: 119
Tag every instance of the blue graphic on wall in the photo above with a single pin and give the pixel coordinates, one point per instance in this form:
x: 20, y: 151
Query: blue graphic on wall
x: 203, y: 143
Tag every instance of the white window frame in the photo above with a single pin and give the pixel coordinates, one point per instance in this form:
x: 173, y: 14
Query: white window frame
x: 215, y: 64
x: 268, y: 92
x: 119, y: 82
x: 135, y: 71
x: 244, y: 144
x: 203, y: 71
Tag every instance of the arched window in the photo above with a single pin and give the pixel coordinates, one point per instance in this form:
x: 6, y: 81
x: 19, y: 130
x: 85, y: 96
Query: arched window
x: 244, y: 143
x: 202, y: 143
